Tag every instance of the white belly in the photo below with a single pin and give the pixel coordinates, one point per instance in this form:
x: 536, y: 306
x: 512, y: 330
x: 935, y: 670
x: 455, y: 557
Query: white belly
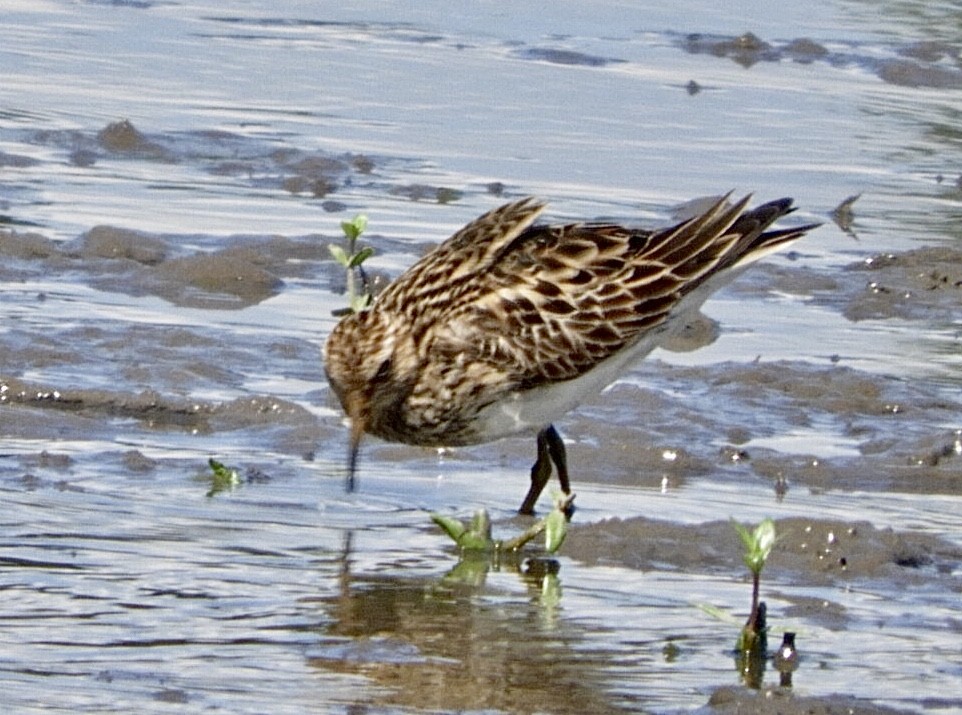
x: 532, y: 410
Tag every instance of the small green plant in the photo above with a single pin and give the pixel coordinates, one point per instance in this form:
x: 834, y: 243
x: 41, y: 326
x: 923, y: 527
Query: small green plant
x: 352, y: 259
x: 475, y: 537
x: 758, y: 545
x: 751, y: 647
x: 752, y: 641
x: 222, y: 477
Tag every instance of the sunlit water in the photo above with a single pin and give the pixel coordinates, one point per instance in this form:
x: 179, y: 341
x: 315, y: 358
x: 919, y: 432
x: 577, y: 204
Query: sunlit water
x: 263, y: 125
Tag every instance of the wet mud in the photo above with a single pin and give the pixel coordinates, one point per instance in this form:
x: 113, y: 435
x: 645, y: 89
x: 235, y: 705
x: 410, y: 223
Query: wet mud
x: 924, y: 64
x: 739, y: 701
x: 931, y: 63
x: 809, y: 551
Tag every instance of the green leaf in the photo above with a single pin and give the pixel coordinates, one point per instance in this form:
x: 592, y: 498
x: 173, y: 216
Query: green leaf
x: 360, y: 302
x: 218, y: 468
x: 338, y: 253
x: 481, y: 524
x: 748, y: 639
x: 758, y: 543
x: 745, y: 534
x: 355, y: 227
x: 223, y: 478
x: 555, y: 530
x: 361, y: 256
x: 451, y: 526
x: 475, y: 541
x: 349, y: 230
x: 765, y: 538
x: 716, y: 612
x: 477, y: 537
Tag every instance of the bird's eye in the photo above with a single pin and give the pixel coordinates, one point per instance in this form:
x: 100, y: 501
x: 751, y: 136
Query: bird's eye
x: 384, y: 370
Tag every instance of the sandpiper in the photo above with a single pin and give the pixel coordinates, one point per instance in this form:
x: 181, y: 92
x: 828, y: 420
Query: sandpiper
x: 507, y: 325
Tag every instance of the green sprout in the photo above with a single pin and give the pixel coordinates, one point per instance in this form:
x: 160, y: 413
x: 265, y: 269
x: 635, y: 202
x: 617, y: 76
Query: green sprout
x: 758, y: 545
x: 222, y: 477
x: 351, y: 259
x: 751, y: 643
x: 475, y: 537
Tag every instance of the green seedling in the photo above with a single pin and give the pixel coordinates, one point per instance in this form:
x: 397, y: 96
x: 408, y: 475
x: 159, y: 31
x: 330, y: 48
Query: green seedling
x: 222, y: 477
x: 556, y: 525
x: 758, y: 546
x: 351, y: 259
x: 476, y: 537
x: 751, y: 643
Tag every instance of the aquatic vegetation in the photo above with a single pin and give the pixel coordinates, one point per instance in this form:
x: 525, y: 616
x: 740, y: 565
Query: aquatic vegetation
x: 222, y: 478
x: 352, y: 259
x: 475, y: 537
x: 752, y: 643
x: 758, y: 546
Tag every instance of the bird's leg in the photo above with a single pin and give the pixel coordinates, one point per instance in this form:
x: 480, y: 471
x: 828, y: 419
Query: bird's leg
x: 540, y: 474
x: 551, y: 449
x: 556, y: 450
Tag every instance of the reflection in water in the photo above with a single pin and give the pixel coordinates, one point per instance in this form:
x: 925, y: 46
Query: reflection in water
x: 457, y: 643
x: 752, y: 648
x: 786, y: 659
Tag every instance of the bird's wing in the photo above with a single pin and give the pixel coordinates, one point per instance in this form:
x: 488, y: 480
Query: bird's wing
x: 556, y: 301
x: 435, y: 280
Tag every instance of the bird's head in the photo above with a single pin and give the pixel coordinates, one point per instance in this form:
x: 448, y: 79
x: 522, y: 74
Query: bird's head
x: 361, y: 359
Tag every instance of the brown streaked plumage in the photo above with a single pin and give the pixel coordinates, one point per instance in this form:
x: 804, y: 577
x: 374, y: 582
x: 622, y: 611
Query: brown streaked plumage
x: 507, y: 325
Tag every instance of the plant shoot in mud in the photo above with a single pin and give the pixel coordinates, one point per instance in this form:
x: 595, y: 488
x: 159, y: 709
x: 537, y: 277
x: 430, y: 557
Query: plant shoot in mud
x: 222, y: 477
x: 475, y: 537
x: 352, y: 259
x: 758, y: 546
x: 752, y: 641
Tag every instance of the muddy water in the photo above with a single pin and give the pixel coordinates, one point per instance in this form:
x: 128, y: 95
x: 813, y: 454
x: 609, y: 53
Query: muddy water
x: 170, y: 177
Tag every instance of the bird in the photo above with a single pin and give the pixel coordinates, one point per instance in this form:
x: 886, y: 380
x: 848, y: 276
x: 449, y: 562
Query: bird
x: 509, y: 324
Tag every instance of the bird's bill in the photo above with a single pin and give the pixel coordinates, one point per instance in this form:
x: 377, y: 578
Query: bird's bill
x: 353, y: 447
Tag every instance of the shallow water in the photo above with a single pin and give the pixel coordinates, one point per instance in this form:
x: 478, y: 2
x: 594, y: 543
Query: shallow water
x: 170, y: 177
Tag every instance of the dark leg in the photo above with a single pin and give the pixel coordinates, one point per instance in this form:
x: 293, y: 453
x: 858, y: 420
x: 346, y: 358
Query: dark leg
x: 551, y: 449
x: 556, y: 450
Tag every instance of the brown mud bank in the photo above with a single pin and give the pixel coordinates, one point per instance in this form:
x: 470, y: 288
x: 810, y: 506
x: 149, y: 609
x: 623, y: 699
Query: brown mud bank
x: 810, y: 552
x: 929, y: 63
x: 922, y: 284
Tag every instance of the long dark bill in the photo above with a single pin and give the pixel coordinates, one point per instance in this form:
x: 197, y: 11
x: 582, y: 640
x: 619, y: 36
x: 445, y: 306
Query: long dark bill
x: 354, y: 444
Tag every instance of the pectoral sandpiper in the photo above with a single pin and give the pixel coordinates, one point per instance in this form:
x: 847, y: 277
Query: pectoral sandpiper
x: 507, y: 325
